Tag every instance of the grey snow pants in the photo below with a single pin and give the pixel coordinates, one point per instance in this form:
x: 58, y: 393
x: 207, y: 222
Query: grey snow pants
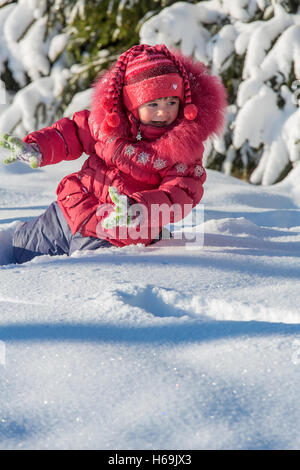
x: 50, y: 234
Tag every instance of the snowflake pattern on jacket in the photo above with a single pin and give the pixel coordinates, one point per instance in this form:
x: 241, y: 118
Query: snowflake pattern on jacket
x: 143, y: 158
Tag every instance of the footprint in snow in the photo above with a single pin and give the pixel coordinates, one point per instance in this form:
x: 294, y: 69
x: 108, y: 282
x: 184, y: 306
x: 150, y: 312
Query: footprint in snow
x: 157, y: 301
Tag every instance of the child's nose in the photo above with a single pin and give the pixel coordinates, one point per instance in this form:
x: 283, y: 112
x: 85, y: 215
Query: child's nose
x: 161, y: 112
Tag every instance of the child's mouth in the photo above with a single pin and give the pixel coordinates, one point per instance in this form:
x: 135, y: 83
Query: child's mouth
x: 159, y: 123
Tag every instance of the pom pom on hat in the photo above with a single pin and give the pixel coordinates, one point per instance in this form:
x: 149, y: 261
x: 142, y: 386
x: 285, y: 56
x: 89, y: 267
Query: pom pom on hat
x: 110, y: 122
x: 190, y: 112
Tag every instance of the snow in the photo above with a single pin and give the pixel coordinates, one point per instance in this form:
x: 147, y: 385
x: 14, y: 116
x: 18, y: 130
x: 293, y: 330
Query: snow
x: 27, y: 52
x: 32, y: 52
x: 160, y: 347
x: 186, y: 344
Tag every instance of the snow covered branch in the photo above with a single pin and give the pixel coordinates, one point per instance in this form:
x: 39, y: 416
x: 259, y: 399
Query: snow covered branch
x: 29, y: 55
x: 254, y: 46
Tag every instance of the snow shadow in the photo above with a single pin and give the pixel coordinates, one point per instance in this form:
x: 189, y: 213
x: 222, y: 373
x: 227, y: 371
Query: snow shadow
x: 18, y: 168
x: 19, y: 210
x: 146, y: 299
x: 228, y: 264
x: 20, y: 219
x: 253, y: 245
x: 27, y: 208
x: 17, y: 429
x: 187, y: 332
x: 281, y: 218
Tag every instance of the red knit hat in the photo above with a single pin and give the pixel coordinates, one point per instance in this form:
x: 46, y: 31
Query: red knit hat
x: 145, y: 73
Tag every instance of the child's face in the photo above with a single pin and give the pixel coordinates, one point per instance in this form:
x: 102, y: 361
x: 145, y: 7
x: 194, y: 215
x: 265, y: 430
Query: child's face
x: 161, y: 112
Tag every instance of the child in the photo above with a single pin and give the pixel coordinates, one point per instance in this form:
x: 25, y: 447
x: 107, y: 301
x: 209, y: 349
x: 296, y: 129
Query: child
x: 150, y: 115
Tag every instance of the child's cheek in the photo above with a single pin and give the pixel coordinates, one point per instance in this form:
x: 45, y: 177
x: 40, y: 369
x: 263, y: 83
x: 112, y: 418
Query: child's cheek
x: 150, y: 114
x: 146, y: 115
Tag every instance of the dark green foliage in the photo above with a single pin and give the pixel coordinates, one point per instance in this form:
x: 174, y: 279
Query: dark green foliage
x: 100, y: 33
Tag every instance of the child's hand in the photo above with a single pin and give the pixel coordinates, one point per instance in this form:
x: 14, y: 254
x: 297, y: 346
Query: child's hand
x: 20, y: 150
x: 122, y: 215
x: 119, y: 216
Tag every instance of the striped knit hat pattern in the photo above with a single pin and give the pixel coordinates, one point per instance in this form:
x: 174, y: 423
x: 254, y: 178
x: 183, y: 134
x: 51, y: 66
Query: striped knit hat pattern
x: 144, y: 73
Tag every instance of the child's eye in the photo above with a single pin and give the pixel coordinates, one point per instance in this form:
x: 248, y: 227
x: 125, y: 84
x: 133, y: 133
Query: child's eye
x: 172, y: 103
x: 152, y: 105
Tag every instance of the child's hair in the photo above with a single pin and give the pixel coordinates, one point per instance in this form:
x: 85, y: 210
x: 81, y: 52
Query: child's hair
x: 139, y: 68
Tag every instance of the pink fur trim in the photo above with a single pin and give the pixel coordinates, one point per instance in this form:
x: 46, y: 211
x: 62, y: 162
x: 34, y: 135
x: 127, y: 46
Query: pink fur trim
x: 183, y: 143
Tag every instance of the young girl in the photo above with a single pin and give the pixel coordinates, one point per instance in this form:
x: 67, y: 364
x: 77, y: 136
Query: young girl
x: 150, y: 115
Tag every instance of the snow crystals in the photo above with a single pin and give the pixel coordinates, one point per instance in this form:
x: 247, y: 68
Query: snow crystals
x: 199, y: 346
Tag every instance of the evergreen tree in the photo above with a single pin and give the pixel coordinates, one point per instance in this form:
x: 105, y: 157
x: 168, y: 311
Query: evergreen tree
x: 99, y: 31
x: 255, y: 48
x: 52, y: 50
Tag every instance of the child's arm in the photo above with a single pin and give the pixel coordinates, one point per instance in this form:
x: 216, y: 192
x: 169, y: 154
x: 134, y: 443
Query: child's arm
x: 66, y: 139
x: 175, y: 197
x: 182, y: 192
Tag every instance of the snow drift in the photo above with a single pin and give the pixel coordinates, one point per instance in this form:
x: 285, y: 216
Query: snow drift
x: 158, y: 347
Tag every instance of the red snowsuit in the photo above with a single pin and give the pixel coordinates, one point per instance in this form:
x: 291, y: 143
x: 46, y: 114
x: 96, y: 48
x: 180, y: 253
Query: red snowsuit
x: 165, y: 167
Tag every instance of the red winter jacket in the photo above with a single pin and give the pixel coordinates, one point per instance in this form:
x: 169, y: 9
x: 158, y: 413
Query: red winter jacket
x: 164, y: 168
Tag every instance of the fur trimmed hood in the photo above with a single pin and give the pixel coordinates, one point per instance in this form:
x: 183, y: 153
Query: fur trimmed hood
x: 183, y: 140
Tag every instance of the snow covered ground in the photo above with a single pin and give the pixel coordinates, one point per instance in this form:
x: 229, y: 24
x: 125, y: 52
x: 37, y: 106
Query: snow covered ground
x: 161, y: 347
